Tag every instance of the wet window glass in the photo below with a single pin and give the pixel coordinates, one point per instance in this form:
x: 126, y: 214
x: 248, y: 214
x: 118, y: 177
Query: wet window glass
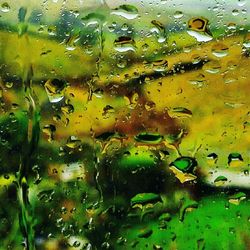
x: 124, y: 124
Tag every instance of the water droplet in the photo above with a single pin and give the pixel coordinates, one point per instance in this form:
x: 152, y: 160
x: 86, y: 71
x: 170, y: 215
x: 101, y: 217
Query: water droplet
x: 52, y: 30
x: 178, y: 14
x: 98, y: 93
x: 77, y: 244
x: 124, y: 44
x: 160, y: 65
x: 212, y: 158
x: 158, y: 25
x: 235, y: 160
x: 200, y: 37
x: 145, y: 198
x: 195, y: 59
x: 5, y: 7
x: 212, y: 67
x: 235, y: 12
x: 73, y: 142
x: 237, y: 198
x: 232, y: 26
x: 127, y: 11
x: 220, y: 50
x: 246, y: 41
x: 55, y: 89
x: 49, y: 130
x: 220, y: 181
x: 183, y: 168
x: 198, y: 28
x: 67, y: 109
x: 199, y: 81
x: 180, y: 112
x: 149, y: 138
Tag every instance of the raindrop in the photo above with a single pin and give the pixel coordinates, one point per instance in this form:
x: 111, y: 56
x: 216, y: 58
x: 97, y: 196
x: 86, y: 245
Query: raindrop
x: 73, y: 142
x: 183, y: 168
x: 49, y: 130
x: 235, y: 12
x: 5, y: 7
x: 195, y: 59
x: 235, y: 160
x: 178, y: 14
x: 212, y: 158
x: 246, y: 42
x: 180, y: 112
x: 160, y: 65
x: 55, y: 89
x: 124, y: 44
x: 212, y: 67
x: 127, y: 11
x: 145, y: 198
x: 220, y: 181
x: 198, y: 28
x: 67, y: 109
x: 237, y: 198
x: 150, y: 138
x: 220, y: 50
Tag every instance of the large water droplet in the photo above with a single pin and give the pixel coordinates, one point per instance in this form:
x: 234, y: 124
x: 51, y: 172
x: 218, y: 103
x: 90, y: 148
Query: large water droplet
x: 220, y: 50
x: 124, y: 44
x: 183, y: 168
x: 200, y: 37
x: 5, y: 7
x: 237, y: 198
x: 199, y: 30
x: 145, y: 198
x: 126, y: 11
x: 55, y: 89
x: 220, y: 181
x: 180, y: 112
x: 151, y: 138
x: 235, y: 160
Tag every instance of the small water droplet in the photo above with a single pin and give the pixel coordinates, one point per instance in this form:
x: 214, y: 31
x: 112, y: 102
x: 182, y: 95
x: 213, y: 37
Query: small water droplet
x: 178, y: 14
x: 235, y: 12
